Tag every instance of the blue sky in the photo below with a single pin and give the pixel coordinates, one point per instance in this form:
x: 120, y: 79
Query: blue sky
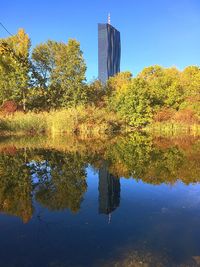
x: 164, y: 32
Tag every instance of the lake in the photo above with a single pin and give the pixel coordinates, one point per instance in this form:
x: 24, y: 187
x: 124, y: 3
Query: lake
x: 125, y: 201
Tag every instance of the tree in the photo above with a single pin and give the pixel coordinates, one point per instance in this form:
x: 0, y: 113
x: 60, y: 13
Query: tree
x: 43, y: 60
x: 60, y: 73
x: 69, y: 74
x: 134, y: 104
x: 191, y: 83
x: 164, y: 86
x: 120, y: 82
x: 14, y: 68
x: 96, y: 93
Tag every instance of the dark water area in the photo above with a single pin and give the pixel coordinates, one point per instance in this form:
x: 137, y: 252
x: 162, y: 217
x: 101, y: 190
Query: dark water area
x: 127, y: 201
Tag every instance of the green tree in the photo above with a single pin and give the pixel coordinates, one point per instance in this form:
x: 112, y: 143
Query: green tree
x: 60, y: 73
x: 43, y: 60
x: 134, y: 103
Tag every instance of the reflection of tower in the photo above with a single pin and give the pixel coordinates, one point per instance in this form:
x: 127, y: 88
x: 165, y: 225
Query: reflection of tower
x: 109, y: 191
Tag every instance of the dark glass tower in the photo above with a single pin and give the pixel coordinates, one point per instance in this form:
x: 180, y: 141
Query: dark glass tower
x: 109, y: 51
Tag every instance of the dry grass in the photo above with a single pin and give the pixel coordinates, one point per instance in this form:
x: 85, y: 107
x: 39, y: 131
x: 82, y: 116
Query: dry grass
x: 84, y: 121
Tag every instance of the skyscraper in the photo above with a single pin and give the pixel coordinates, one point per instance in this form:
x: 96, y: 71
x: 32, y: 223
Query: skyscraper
x: 109, y: 51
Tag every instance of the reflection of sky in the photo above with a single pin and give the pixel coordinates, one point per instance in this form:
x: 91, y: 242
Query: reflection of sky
x: 163, y: 219
x: 39, y: 170
x: 187, y: 194
x: 174, y: 196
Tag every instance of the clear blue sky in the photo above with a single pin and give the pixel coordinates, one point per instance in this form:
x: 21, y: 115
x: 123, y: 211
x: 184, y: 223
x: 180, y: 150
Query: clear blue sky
x: 165, y: 32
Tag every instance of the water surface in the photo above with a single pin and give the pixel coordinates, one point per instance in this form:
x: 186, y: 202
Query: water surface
x: 128, y: 201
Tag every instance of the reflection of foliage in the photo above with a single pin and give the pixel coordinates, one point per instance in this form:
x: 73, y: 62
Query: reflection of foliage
x: 67, y: 184
x: 60, y: 181
x: 130, y: 155
x: 164, y: 165
x: 136, y: 156
x: 58, y: 177
x: 15, y: 186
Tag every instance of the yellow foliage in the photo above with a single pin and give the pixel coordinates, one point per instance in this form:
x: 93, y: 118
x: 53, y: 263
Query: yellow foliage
x: 120, y: 82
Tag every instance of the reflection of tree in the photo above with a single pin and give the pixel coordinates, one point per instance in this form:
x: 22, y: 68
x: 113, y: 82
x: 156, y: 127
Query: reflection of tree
x: 136, y: 156
x: 67, y: 182
x: 59, y: 177
x: 15, y: 186
x: 130, y: 155
x: 164, y: 166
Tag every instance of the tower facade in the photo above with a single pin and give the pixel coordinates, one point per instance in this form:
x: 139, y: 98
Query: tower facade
x: 109, y: 51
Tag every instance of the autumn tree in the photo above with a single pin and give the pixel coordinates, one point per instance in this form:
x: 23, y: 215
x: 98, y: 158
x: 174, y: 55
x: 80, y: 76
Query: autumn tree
x: 14, y: 68
x: 164, y: 86
x: 119, y: 83
x: 191, y: 83
x: 96, y: 93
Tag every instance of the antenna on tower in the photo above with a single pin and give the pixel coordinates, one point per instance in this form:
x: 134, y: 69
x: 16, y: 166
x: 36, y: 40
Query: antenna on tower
x: 109, y: 22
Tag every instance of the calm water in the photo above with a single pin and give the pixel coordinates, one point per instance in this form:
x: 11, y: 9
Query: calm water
x: 129, y: 201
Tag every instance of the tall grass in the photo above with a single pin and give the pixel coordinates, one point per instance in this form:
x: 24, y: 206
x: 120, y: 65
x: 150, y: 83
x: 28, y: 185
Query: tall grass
x: 80, y: 120
x: 21, y: 123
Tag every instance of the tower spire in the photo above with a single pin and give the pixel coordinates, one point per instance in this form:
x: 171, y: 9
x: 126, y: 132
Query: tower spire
x: 109, y: 22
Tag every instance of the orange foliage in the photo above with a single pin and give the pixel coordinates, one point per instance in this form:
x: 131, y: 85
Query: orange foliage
x: 8, y: 107
x: 164, y: 114
x: 186, y: 116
